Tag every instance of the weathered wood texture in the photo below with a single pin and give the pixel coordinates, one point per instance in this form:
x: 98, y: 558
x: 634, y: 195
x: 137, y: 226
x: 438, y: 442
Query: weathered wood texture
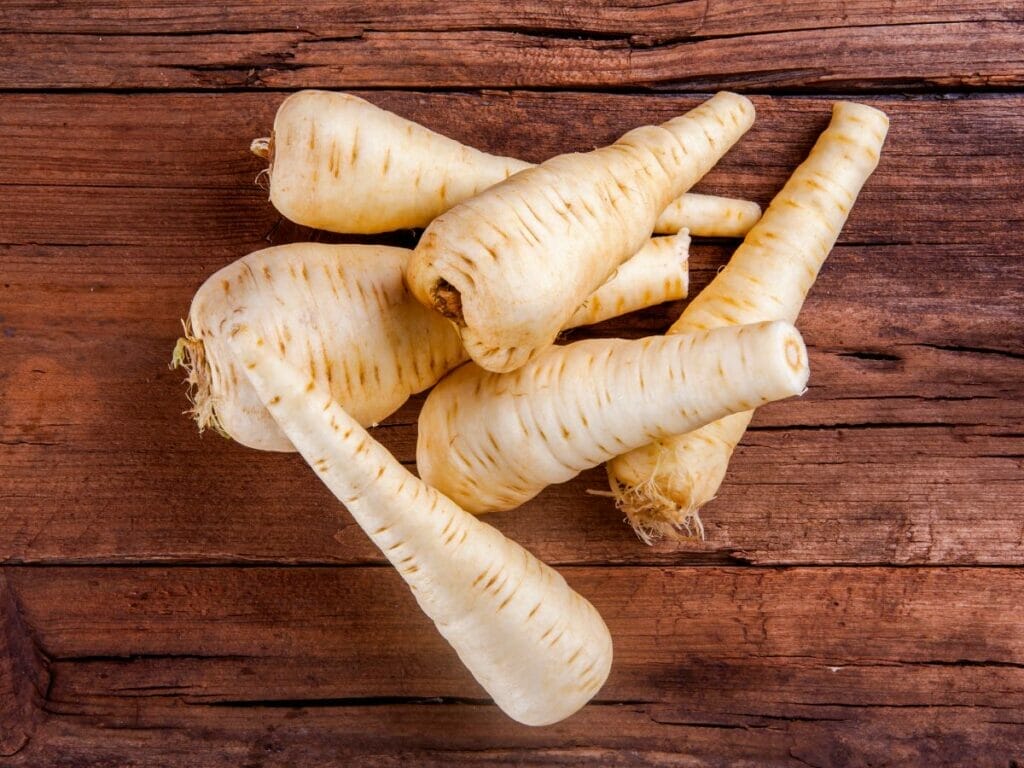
x: 911, y: 666
x: 24, y: 677
x: 908, y: 439
x: 168, y: 600
x: 696, y: 45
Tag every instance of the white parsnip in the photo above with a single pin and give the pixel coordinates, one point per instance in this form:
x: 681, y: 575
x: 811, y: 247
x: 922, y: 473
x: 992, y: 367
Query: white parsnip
x: 538, y: 648
x: 492, y: 441
x: 511, y: 265
x: 343, y: 314
x: 338, y: 312
x: 662, y: 485
x: 339, y: 163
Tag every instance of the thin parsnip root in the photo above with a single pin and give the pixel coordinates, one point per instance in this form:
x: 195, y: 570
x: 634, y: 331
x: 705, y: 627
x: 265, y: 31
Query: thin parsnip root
x: 538, y: 648
x: 657, y: 273
x: 524, y: 254
x: 708, y: 216
x: 662, y: 486
x: 342, y: 312
x: 339, y: 163
x: 492, y: 441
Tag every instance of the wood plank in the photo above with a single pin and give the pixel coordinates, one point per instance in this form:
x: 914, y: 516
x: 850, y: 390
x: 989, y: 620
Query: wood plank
x: 147, y: 170
x: 348, y: 17
x: 958, y: 54
x: 713, y: 662
x: 317, y: 633
x: 424, y: 734
x: 904, y: 438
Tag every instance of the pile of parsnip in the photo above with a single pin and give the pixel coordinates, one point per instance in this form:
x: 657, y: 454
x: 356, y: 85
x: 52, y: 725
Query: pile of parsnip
x: 302, y: 347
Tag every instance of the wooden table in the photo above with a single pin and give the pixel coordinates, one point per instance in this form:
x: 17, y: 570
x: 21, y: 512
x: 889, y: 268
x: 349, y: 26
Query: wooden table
x: 168, y: 599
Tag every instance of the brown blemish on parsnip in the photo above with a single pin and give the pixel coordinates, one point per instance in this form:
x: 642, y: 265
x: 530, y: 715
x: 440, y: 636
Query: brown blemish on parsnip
x: 448, y: 301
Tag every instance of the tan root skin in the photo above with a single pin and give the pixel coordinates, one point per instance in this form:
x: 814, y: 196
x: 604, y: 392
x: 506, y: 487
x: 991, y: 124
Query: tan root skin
x: 493, y: 441
x: 342, y: 164
x: 343, y: 313
x: 662, y: 486
x: 524, y: 254
x: 539, y: 649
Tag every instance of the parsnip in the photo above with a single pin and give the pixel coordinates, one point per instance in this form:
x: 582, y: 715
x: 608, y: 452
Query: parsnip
x: 342, y: 164
x: 511, y: 265
x: 338, y: 312
x: 657, y: 273
x: 492, y: 441
x: 662, y: 485
x: 342, y: 313
x: 708, y: 216
x: 539, y: 649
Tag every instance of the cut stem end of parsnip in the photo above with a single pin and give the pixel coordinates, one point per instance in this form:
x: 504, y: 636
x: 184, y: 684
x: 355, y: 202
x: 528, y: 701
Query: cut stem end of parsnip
x: 263, y: 147
x: 448, y: 301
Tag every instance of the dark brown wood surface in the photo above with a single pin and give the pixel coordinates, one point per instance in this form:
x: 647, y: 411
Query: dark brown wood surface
x: 167, y: 599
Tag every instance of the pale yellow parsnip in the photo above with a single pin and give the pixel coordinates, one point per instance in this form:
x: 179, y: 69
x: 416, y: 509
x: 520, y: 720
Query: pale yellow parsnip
x: 342, y: 313
x: 342, y: 164
x: 662, y: 485
x: 539, y: 649
x: 492, y: 441
x: 511, y: 265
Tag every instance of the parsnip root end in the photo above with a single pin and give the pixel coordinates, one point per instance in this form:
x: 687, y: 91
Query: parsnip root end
x: 262, y: 147
x: 190, y: 354
x: 653, y: 514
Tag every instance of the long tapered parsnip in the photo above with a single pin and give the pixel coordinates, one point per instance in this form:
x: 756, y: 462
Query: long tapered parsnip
x: 339, y: 163
x: 662, y: 485
x: 492, y: 441
x: 539, y: 649
x: 511, y: 265
x: 342, y: 313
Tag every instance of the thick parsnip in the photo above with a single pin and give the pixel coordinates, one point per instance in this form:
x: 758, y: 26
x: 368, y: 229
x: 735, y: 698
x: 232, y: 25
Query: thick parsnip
x: 539, y: 649
x: 492, y: 441
x: 342, y: 164
x: 342, y: 313
x: 662, y: 485
x: 338, y: 312
x: 511, y: 265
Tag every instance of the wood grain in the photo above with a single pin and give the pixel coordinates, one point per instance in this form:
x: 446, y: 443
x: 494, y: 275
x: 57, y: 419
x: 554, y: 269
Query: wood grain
x: 169, y: 600
x: 693, y: 46
x: 716, y: 661
x: 24, y: 676
x: 700, y: 18
x: 620, y: 736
